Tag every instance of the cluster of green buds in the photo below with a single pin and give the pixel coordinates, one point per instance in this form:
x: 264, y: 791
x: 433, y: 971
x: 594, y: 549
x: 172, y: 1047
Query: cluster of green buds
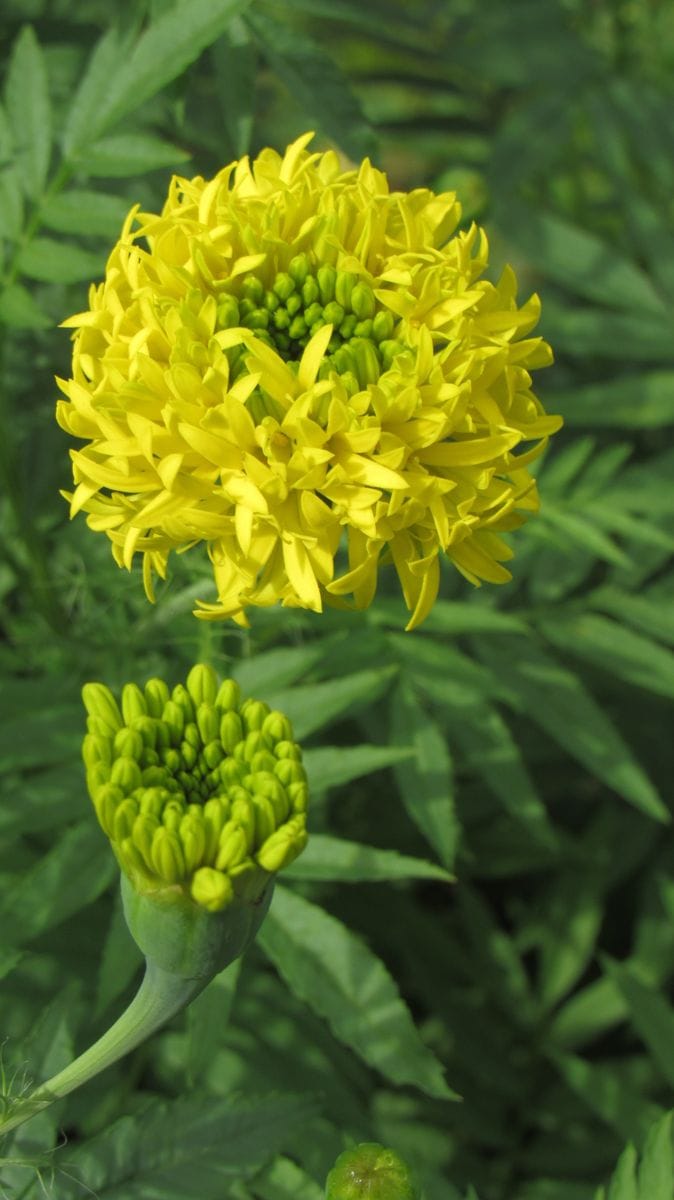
x: 299, y: 302
x: 370, y: 1172
x: 197, y: 790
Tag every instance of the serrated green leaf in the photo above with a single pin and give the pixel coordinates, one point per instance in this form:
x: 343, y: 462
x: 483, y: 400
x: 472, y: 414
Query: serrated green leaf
x: 426, y: 783
x: 330, y: 859
x: 451, y: 617
x: 330, y: 969
x: 19, y: 310
x: 579, y: 260
x: 317, y: 705
x: 69, y: 876
x: 491, y: 751
x: 556, y: 699
x: 51, y: 261
x: 656, y: 1170
x: 618, y: 650
x: 186, y: 1149
x: 581, y: 532
x: 85, y: 212
x: 11, y: 193
x: 29, y: 111
x: 609, y: 1090
x: 572, y: 911
x: 651, y: 1015
x: 331, y: 766
x: 623, y: 1185
x: 284, y: 1180
x: 111, y: 49
x: 315, y: 81
x: 235, y: 61
x: 127, y: 154
x: 652, y: 614
x: 586, y: 332
x: 207, y: 1019
x: 635, y: 401
x: 272, y: 670
x: 161, y: 53
x: 120, y: 961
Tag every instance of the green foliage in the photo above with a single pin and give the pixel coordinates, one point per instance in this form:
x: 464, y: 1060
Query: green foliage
x: 517, y: 741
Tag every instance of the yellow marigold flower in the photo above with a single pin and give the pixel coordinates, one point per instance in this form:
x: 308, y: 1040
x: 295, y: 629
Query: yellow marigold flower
x: 291, y: 357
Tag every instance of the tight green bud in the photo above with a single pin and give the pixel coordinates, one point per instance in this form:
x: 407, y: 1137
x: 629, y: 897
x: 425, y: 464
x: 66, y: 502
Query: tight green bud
x: 344, y: 285
x: 283, y: 285
x: 298, y: 268
x: 156, y: 696
x: 370, y: 1172
x: 253, y: 713
x: 229, y: 695
x: 333, y: 313
x: 100, y: 702
x: 253, y: 289
x: 211, y: 889
x: 133, y: 703
x: 326, y: 277
x: 228, y: 313
x: 202, y: 684
x: 128, y: 744
x: 310, y: 291
x: 382, y: 326
x: 362, y: 301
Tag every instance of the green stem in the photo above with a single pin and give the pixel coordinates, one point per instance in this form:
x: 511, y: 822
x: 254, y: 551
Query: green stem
x: 159, y: 998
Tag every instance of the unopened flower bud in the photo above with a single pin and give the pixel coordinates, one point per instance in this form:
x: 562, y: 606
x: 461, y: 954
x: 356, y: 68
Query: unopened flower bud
x: 202, y: 685
x: 156, y: 696
x: 370, y: 1172
x: 133, y: 703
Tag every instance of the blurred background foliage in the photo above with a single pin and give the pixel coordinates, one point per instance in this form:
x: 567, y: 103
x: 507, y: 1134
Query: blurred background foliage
x: 519, y: 740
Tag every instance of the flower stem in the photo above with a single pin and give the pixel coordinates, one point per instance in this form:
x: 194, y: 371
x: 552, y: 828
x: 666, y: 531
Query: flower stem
x: 160, y: 996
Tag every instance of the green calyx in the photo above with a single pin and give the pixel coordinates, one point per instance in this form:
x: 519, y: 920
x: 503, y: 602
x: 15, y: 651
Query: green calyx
x: 202, y: 794
x: 370, y: 1172
x: 299, y: 302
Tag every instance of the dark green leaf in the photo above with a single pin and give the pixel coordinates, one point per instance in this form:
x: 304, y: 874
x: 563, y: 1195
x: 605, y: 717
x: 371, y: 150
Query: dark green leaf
x: 50, y: 261
x: 162, y: 52
x: 29, y: 111
x: 556, y: 699
x: 235, y: 62
x: 312, y: 707
x: 330, y: 766
x: 330, y: 859
x: 608, y: 644
x: 426, y: 784
x: 130, y: 154
x: 187, y: 1149
x: 650, y: 1013
x: 81, y: 212
x: 329, y: 968
x: 315, y: 81
x: 644, y: 401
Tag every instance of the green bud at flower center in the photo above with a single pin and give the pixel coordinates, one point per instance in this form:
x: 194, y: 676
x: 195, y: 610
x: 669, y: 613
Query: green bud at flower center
x: 370, y: 1172
x: 301, y: 301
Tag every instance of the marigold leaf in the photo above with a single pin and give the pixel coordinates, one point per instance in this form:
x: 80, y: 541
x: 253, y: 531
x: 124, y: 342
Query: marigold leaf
x: 315, y: 80
x: 128, y: 154
x: 557, y: 700
x: 29, y: 111
x: 185, y: 1149
x: 336, y: 859
x: 51, y: 261
x: 426, y: 784
x: 329, y: 968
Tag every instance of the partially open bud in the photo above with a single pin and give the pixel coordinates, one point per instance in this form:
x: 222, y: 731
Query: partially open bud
x: 370, y: 1172
x: 203, y: 798
x: 192, y: 787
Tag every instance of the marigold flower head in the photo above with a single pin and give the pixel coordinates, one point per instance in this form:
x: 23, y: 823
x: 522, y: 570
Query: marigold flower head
x: 291, y: 358
x: 201, y: 794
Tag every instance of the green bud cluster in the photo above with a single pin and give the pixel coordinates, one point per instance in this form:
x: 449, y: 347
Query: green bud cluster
x: 300, y: 301
x: 195, y: 787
